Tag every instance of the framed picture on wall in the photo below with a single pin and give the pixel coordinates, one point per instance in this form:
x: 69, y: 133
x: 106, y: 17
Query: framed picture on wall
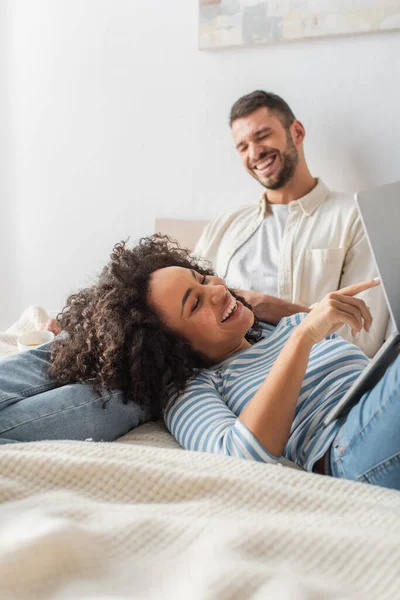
x: 245, y: 22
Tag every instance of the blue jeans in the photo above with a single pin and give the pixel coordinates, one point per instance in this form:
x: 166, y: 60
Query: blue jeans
x: 33, y: 407
x: 367, y: 445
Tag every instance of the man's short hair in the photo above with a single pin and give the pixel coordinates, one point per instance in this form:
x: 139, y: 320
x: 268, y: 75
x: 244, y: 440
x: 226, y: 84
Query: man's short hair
x: 246, y: 105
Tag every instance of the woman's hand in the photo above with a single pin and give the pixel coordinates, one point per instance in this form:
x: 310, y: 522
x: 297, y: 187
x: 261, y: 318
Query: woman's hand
x: 337, y: 309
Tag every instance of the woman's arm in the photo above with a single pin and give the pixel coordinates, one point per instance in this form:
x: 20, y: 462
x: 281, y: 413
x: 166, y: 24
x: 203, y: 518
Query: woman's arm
x: 269, y: 414
x: 201, y: 421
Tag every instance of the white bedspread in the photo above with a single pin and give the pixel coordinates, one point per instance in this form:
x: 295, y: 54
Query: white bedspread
x: 143, y: 519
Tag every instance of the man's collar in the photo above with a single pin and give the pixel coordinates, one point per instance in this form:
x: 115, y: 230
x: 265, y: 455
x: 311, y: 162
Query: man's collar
x: 308, y: 203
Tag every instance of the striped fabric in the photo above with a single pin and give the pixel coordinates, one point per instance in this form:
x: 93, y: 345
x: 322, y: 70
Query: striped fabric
x: 205, y: 416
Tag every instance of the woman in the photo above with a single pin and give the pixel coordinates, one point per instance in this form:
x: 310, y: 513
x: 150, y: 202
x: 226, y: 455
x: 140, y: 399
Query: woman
x: 165, y: 332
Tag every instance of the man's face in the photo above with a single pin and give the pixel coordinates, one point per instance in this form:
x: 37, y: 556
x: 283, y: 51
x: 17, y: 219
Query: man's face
x: 266, y: 148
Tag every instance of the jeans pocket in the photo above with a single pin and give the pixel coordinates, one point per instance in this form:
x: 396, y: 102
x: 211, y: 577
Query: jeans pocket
x: 385, y: 473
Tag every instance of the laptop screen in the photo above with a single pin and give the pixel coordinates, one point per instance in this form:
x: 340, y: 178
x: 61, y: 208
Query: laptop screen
x: 380, y: 213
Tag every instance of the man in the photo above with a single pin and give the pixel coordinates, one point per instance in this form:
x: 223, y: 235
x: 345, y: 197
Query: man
x: 301, y: 241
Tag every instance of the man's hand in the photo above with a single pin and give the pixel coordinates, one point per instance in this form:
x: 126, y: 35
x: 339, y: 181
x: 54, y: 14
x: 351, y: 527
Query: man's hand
x: 268, y: 308
x: 50, y: 325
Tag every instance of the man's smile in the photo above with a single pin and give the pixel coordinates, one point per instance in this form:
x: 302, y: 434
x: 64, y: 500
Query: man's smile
x: 267, y: 165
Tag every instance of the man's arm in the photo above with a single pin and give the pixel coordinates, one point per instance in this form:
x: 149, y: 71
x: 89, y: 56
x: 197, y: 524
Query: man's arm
x: 269, y: 308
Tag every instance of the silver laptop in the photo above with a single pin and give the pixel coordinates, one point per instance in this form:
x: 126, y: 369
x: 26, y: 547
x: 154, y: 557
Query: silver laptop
x: 379, y: 209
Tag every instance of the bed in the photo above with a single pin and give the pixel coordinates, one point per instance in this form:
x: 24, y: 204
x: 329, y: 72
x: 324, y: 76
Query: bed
x: 141, y: 518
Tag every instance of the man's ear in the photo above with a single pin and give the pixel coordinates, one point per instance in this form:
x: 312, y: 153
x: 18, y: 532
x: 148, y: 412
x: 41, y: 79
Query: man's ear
x: 298, y: 132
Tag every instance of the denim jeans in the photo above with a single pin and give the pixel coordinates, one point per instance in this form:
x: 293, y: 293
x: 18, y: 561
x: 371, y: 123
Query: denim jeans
x: 33, y: 407
x: 367, y: 445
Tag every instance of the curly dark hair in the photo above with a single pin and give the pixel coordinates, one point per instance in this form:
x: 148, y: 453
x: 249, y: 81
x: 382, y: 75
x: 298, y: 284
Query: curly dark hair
x: 115, y: 339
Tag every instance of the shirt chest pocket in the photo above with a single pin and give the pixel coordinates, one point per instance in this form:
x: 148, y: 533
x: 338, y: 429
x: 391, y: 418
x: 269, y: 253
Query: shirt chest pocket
x: 322, y: 271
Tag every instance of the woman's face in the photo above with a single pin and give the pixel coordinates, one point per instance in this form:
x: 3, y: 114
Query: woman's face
x: 200, y: 309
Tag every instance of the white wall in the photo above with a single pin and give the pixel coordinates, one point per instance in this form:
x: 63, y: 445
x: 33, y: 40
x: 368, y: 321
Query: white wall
x: 120, y: 119
x: 8, y: 261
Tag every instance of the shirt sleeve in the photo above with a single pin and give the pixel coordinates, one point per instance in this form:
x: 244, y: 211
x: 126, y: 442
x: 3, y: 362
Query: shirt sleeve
x: 201, y: 248
x: 359, y: 266
x: 200, y: 421
x: 209, y: 242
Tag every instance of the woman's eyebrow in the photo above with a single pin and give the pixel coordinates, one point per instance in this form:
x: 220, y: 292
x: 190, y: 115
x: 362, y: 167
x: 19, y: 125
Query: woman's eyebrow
x: 185, y: 297
x: 188, y: 291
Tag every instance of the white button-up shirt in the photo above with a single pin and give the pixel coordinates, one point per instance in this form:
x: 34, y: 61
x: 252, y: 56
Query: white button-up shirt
x: 323, y: 249
x: 256, y: 262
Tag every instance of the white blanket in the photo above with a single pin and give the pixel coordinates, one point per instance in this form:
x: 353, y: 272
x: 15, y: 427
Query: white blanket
x: 30, y: 320
x: 134, y: 519
x: 143, y: 519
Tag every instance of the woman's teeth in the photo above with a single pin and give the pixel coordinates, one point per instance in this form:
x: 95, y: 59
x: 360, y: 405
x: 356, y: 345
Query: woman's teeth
x: 229, y: 310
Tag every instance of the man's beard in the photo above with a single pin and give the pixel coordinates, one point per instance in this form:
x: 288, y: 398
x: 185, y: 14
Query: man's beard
x: 289, y: 160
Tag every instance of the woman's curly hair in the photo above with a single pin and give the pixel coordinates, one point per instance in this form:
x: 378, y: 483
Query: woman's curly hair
x: 115, y: 338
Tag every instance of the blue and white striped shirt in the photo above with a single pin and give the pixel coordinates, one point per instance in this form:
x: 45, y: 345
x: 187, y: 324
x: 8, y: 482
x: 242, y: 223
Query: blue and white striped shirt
x: 205, y: 416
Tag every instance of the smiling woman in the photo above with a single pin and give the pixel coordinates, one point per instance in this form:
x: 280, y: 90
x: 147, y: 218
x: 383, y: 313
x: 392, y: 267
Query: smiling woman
x: 152, y: 320
x: 202, y: 310
x: 160, y: 335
